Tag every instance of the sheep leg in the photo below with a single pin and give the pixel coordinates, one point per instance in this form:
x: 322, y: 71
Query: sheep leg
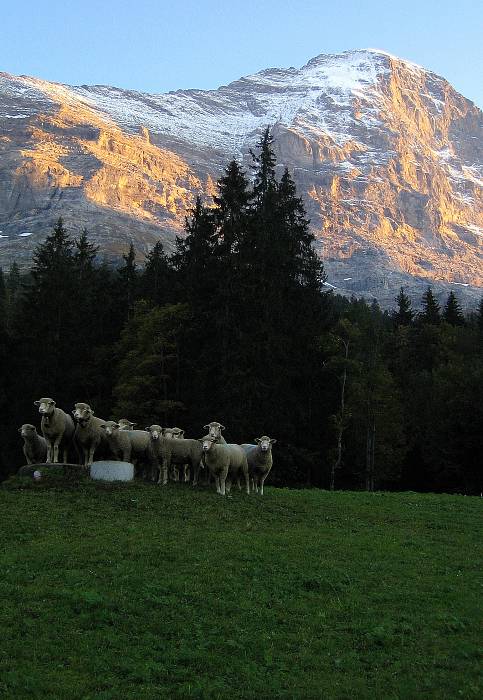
x: 91, y: 455
x: 162, y: 470
x: 56, y: 450
x: 195, y: 468
x: 247, y: 481
x: 222, y: 479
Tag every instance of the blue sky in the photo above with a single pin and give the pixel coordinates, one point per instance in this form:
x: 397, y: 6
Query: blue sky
x: 158, y: 46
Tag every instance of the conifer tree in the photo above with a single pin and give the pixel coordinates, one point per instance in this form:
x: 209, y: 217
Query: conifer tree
x: 404, y: 314
x: 147, y: 381
x: 157, y: 277
x: 431, y: 312
x: 452, y: 313
x: 46, y: 315
x: 13, y: 282
x: 128, y: 281
x: 264, y: 167
x: 84, y: 256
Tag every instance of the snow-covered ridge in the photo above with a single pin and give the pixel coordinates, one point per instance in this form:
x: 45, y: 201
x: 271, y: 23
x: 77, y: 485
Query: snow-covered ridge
x: 316, y: 99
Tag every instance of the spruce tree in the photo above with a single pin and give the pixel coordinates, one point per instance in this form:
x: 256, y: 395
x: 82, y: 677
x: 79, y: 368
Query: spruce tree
x: 157, y: 277
x: 128, y: 281
x: 13, y: 282
x: 404, y: 314
x: 431, y: 312
x: 46, y: 314
x: 452, y: 313
x: 84, y: 256
x: 264, y: 167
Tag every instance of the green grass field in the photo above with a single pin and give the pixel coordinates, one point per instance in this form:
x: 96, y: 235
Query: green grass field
x: 135, y: 591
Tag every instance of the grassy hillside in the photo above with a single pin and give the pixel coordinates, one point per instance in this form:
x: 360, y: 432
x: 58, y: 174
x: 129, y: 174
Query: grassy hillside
x: 133, y: 591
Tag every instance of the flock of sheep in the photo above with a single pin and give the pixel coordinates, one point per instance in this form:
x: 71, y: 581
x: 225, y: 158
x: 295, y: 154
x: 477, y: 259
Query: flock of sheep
x: 156, y: 452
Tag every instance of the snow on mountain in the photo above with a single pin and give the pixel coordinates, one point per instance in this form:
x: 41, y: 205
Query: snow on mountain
x: 388, y: 158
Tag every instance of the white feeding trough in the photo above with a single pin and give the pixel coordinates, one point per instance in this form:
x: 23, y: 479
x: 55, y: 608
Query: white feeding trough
x: 112, y: 471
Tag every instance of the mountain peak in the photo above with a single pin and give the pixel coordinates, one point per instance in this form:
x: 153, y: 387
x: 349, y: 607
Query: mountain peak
x: 387, y: 156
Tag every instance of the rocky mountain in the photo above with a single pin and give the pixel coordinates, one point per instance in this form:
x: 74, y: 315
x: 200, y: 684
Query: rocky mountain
x: 387, y: 156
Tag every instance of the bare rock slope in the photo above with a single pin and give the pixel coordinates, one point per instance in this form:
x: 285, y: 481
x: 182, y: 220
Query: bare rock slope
x: 387, y: 156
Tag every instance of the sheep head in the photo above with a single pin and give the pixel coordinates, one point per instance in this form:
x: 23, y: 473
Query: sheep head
x: 125, y: 424
x: 27, y: 430
x: 82, y: 412
x: 46, y: 406
x: 265, y: 443
x: 207, y: 443
x: 214, y: 429
x: 174, y: 433
x: 155, y: 431
x: 110, y: 427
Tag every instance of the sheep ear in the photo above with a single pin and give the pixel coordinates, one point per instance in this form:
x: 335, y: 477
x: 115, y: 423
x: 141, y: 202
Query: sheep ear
x: 205, y: 427
x: 273, y: 440
x: 147, y: 428
x: 36, y: 403
x: 91, y: 411
x: 73, y: 412
x: 133, y: 424
x: 257, y: 440
x: 102, y: 427
x: 52, y: 402
x: 222, y: 427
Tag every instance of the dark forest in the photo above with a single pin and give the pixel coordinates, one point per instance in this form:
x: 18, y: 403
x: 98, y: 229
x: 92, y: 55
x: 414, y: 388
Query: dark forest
x: 236, y: 326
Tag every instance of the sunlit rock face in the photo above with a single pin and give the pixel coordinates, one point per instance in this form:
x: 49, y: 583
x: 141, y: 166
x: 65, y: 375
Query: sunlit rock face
x: 387, y: 157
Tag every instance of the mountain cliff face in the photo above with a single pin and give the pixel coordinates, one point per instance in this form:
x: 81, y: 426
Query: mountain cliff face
x: 386, y: 155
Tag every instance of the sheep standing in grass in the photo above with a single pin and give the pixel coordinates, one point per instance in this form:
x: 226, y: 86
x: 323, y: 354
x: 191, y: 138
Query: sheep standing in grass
x: 57, y: 428
x: 226, y: 462
x: 34, y: 445
x: 130, y: 446
x: 183, y: 451
x: 176, y: 473
x: 89, y: 435
x: 259, y: 458
x: 161, y: 452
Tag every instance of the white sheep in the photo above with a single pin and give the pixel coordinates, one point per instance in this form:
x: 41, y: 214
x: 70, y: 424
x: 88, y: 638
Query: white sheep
x: 259, y: 458
x: 226, y: 462
x: 160, y: 450
x: 57, y: 428
x: 34, y: 445
x: 88, y: 434
x: 177, y: 434
x: 183, y: 451
x: 130, y: 446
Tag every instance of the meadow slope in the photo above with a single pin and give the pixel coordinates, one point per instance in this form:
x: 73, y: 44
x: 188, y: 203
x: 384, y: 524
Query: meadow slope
x: 133, y: 591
